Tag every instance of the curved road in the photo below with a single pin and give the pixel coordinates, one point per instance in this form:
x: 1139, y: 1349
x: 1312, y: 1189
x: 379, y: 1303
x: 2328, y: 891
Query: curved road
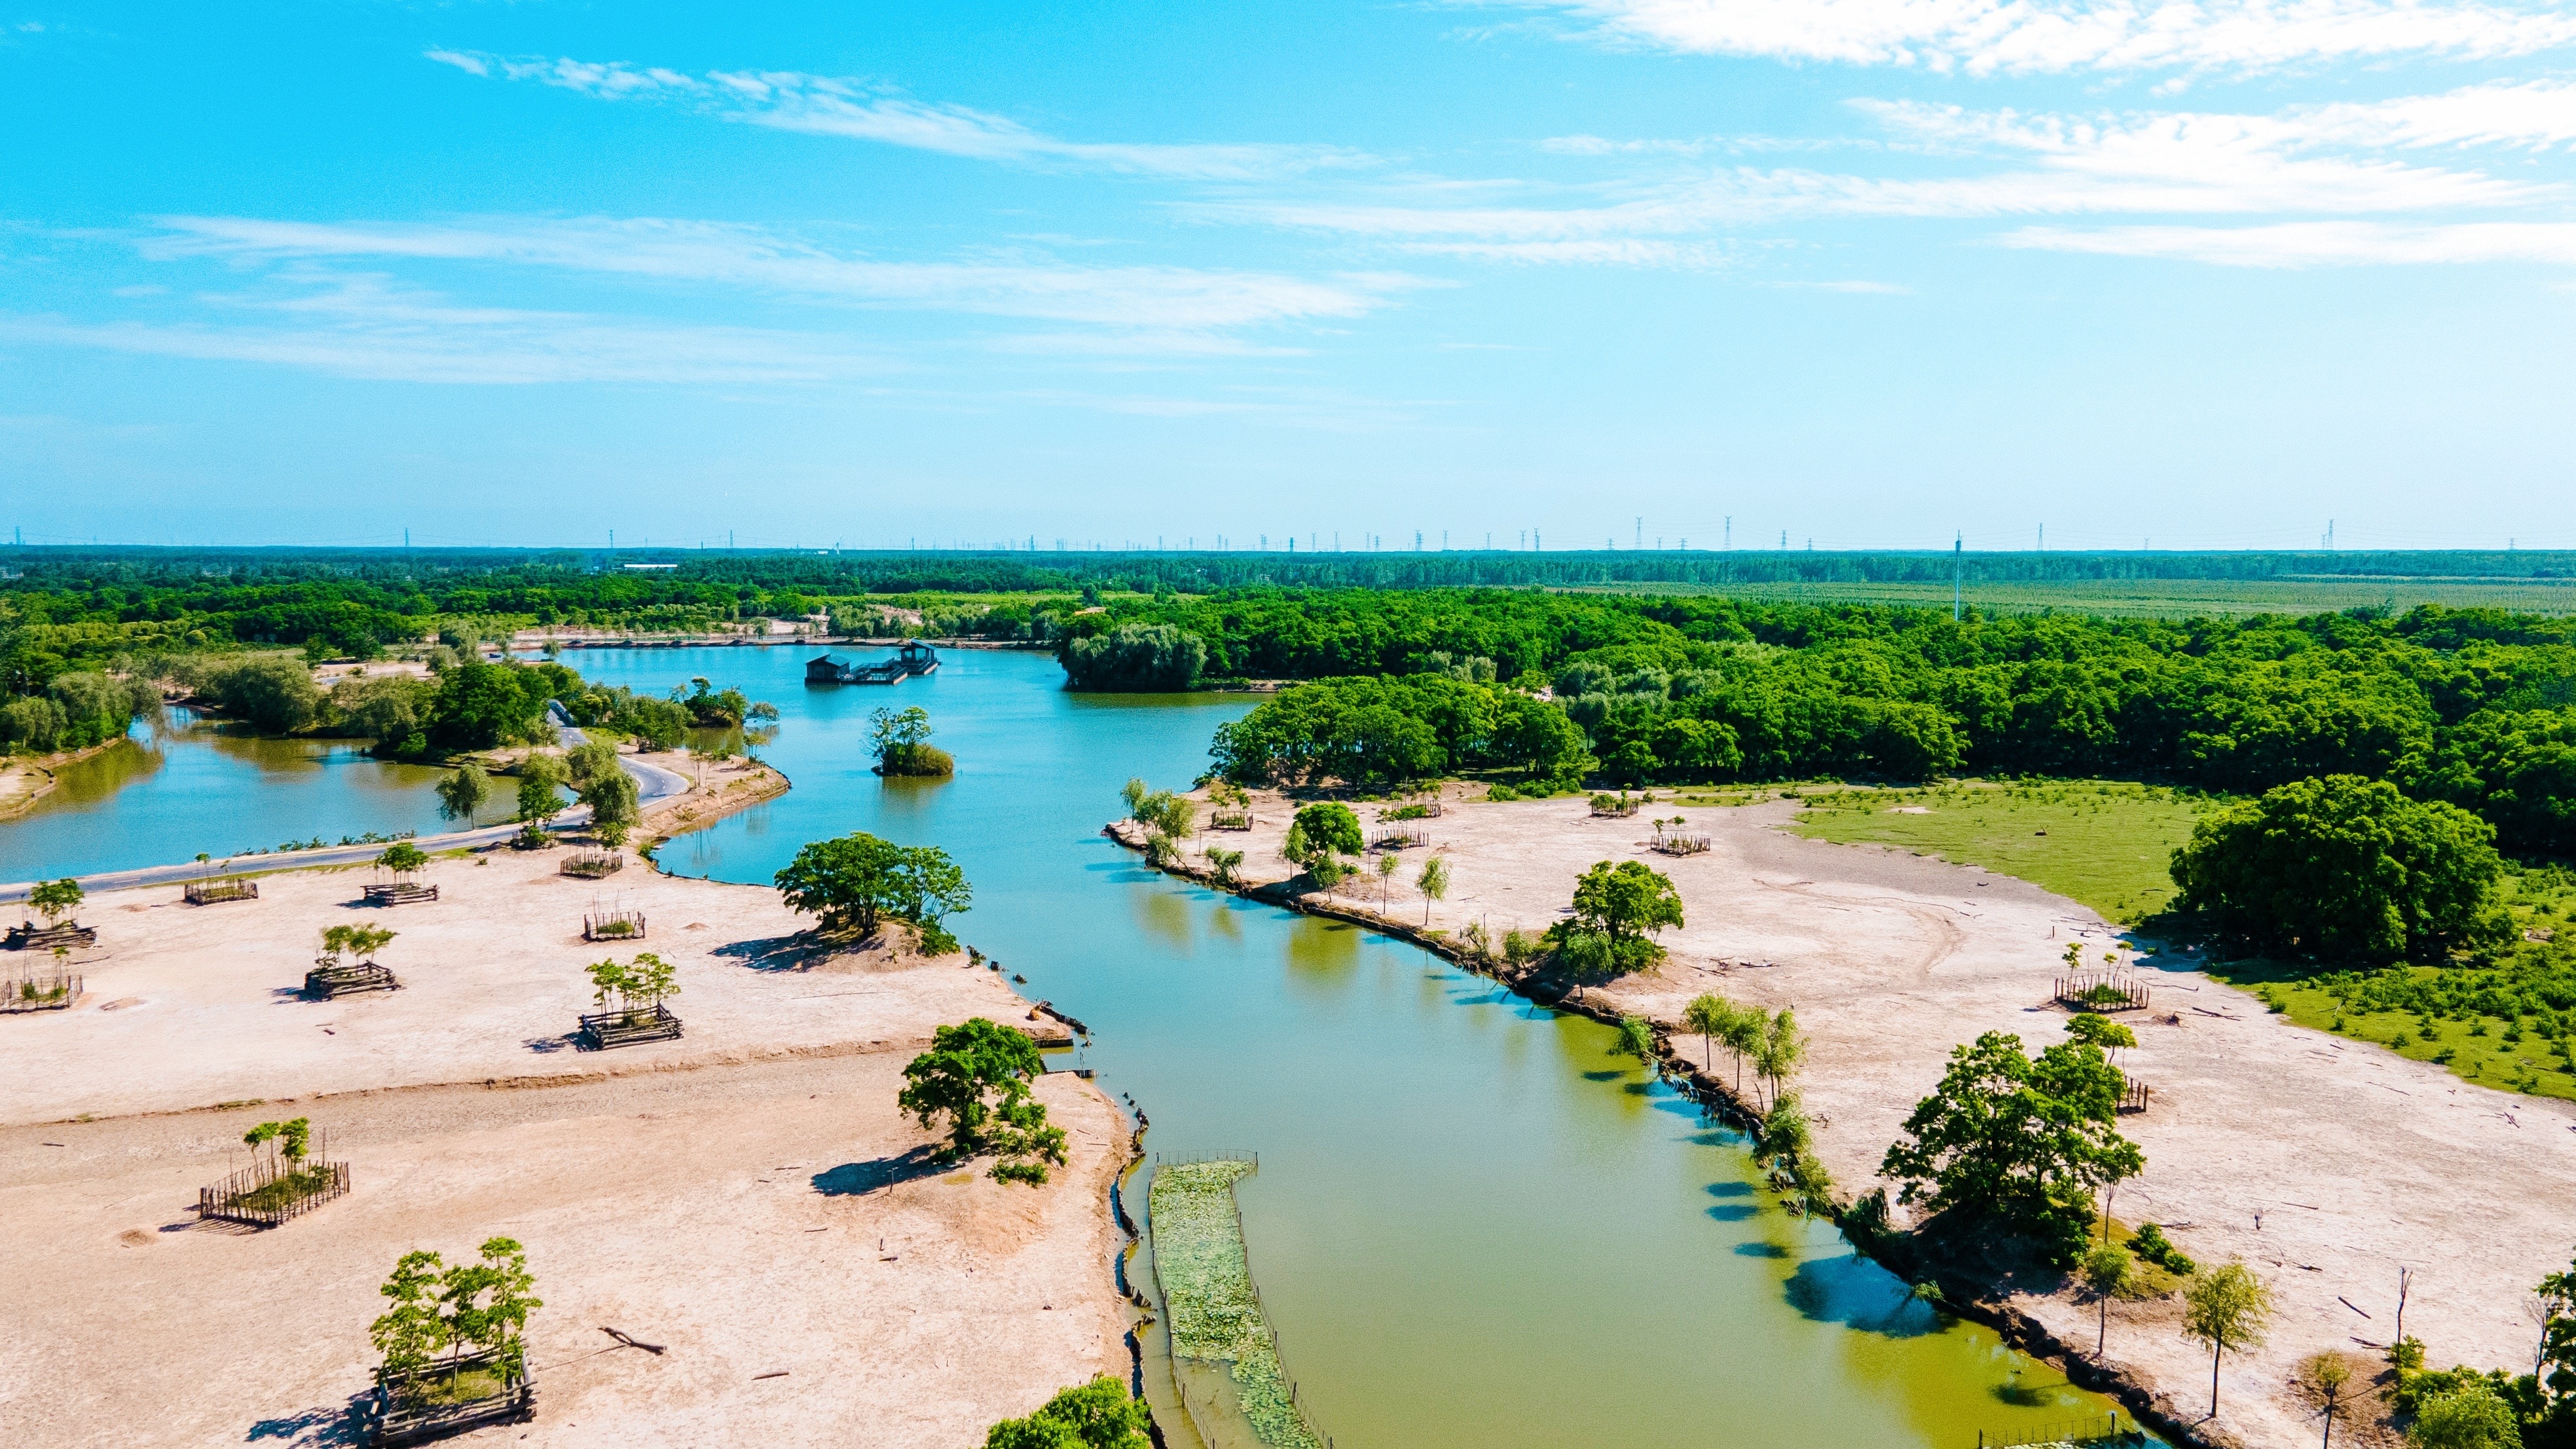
x: 653, y: 784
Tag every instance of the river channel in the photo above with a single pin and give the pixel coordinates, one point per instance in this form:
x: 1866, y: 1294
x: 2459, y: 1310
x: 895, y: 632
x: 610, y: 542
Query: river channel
x: 1473, y: 1226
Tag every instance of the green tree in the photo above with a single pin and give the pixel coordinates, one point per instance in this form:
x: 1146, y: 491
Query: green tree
x: 2015, y: 1140
x: 1224, y: 865
x: 2327, y: 1373
x: 411, y: 1335
x: 402, y: 858
x: 1636, y: 1039
x: 1320, y: 836
x: 2472, y: 1416
x: 2226, y: 1308
x: 1618, y: 910
x: 1783, y: 1050
x: 463, y: 793
x: 1433, y: 882
x: 901, y: 742
x: 293, y: 1138
x: 487, y: 1302
x: 614, y: 803
x: 1098, y: 1415
x: 1744, y: 1031
x: 56, y: 899
x: 2347, y: 866
x: 540, y: 776
x: 1388, y: 863
x: 1707, y: 1016
x: 976, y: 1076
x: 851, y: 883
x: 1143, y: 657
x: 2554, y: 1373
x: 2108, y: 1272
x: 2100, y: 1031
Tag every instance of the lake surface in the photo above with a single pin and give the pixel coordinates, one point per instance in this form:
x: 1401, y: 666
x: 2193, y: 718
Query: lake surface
x: 163, y: 795
x: 1474, y: 1227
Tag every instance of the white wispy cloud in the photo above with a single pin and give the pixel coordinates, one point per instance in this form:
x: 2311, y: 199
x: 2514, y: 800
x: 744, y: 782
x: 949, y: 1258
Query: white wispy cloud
x: 1988, y: 36
x: 859, y: 110
x: 368, y: 326
x: 2338, y: 159
x: 2318, y: 243
x: 1607, y: 251
x: 1170, y: 299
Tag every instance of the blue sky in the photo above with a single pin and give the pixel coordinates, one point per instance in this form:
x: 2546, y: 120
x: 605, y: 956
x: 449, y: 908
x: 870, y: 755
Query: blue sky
x: 1863, y: 272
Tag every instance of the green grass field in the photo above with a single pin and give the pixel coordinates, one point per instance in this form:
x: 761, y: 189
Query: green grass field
x: 2100, y: 842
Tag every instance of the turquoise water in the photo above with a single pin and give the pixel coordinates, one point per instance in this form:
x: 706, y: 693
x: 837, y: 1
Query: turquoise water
x: 1474, y: 1227
x: 164, y: 795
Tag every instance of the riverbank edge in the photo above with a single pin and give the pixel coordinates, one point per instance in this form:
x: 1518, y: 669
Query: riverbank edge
x: 50, y: 766
x: 1963, y: 1293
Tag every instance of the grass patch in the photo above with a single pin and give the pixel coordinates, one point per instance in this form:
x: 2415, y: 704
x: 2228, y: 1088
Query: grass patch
x: 2104, y: 843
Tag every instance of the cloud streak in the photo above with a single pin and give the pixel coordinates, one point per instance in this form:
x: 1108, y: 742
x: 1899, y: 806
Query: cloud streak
x: 2318, y: 243
x: 856, y: 110
x: 1986, y: 37
x: 755, y: 258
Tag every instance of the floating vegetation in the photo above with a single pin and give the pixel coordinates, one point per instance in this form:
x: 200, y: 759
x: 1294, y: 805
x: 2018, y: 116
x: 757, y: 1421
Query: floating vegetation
x: 1214, y: 1311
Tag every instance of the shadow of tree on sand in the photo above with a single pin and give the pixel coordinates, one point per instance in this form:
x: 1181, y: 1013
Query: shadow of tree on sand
x: 856, y: 1179
x: 312, y: 1429
x: 794, y: 952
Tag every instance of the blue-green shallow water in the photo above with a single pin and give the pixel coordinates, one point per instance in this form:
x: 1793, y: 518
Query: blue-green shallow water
x: 1473, y: 1226
x: 164, y: 795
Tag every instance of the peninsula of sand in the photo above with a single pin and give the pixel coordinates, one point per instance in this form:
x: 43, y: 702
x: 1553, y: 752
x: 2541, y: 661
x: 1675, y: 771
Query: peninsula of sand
x: 746, y: 1201
x: 2327, y: 1165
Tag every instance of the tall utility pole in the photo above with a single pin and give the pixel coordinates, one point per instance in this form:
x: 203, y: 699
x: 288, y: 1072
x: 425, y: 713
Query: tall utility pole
x: 2043, y: 538
x: 1958, y: 562
x: 1730, y: 533
x: 1641, y: 530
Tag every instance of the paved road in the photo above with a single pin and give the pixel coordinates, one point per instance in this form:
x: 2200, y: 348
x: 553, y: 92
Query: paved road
x: 653, y: 784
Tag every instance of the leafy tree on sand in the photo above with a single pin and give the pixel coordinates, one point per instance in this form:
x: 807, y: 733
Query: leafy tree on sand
x: 853, y: 882
x: 1319, y: 838
x: 1706, y: 1017
x: 977, y: 1077
x: 2349, y: 867
x: 1134, y: 657
x: 2471, y: 1416
x: 2017, y: 1143
x: 452, y: 1309
x: 901, y: 742
x: 56, y: 899
x: 1781, y: 1051
x: 1618, y: 911
x: 2100, y: 1031
x: 2108, y: 1272
x: 463, y: 793
x: 1433, y: 882
x: 402, y: 857
x: 2226, y: 1308
x: 1098, y: 1415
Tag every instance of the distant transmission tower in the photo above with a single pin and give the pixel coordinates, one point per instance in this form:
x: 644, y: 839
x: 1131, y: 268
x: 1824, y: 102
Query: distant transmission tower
x: 1958, y: 562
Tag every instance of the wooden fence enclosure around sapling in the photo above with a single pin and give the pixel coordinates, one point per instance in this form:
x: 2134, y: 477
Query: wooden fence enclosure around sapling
x: 398, y: 892
x: 593, y: 864
x: 41, y: 989
x: 1399, y: 839
x: 613, y: 926
x: 275, y: 1190
x: 219, y: 890
x: 2104, y: 991
x: 410, y: 1408
x: 629, y: 1026
x: 1229, y: 820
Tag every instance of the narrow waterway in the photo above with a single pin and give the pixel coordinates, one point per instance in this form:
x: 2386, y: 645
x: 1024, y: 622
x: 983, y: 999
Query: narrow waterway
x: 1473, y: 1226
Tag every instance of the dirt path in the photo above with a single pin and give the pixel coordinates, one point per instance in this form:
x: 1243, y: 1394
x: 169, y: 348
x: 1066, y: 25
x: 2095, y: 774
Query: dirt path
x: 2324, y: 1163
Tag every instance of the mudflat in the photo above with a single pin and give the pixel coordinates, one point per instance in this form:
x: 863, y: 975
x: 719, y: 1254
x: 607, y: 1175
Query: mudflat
x: 2325, y: 1164
x: 748, y: 1198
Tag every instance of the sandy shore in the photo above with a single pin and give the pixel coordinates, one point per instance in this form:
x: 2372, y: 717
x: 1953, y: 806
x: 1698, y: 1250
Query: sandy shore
x: 2324, y: 1163
x: 723, y: 1195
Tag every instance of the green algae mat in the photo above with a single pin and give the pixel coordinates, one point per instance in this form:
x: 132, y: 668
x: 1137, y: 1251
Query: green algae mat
x: 1215, y: 1318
